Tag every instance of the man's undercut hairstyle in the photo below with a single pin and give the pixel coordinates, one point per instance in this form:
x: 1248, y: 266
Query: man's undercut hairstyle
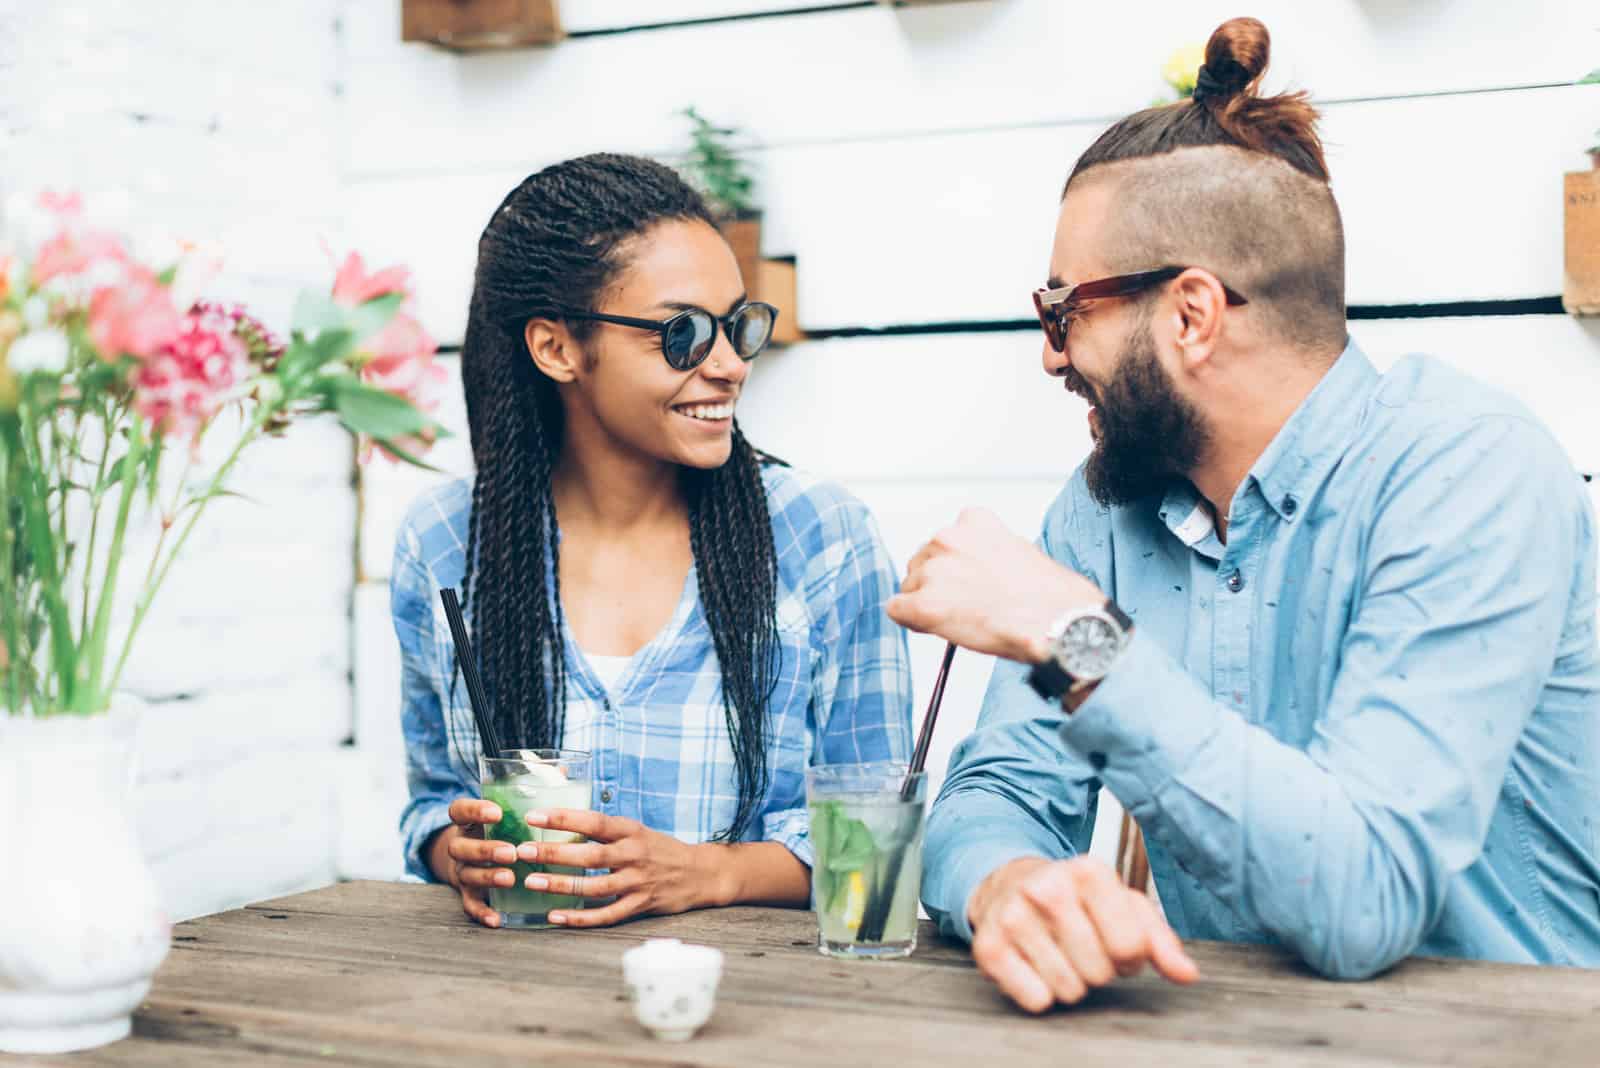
x: 1234, y: 182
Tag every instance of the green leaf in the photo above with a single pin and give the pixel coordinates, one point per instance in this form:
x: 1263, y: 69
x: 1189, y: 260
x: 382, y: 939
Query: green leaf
x: 316, y: 312
x: 366, y: 410
x: 167, y: 276
x: 305, y: 358
x: 371, y: 317
x: 855, y: 847
x: 113, y: 475
x: 402, y: 454
x: 1593, y: 76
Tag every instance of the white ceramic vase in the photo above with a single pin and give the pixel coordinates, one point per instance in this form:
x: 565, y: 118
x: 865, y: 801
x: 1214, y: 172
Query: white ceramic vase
x: 82, y: 928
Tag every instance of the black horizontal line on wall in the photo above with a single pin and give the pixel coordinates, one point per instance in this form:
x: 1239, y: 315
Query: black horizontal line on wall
x: 1482, y: 309
x: 713, y: 20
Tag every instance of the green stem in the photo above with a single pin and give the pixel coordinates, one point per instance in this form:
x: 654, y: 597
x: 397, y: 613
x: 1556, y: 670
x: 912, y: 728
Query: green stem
x: 108, y: 584
x: 95, y: 499
x: 147, y: 596
x: 11, y: 592
x: 35, y: 501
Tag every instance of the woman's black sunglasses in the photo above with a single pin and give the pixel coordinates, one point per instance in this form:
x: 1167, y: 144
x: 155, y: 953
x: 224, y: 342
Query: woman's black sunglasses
x: 688, y: 337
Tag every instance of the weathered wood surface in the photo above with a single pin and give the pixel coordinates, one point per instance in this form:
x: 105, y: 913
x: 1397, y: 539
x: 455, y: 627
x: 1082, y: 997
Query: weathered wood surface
x: 386, y: 974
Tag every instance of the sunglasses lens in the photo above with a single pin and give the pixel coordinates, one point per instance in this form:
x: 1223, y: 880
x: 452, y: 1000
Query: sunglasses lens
x: 688, y: 339
x: 752, y: 329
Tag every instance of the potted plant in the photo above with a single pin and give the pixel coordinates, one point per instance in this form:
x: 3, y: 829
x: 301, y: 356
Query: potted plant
x: 716, y: 168
x: 1580, y: 290
x: 116, y: 382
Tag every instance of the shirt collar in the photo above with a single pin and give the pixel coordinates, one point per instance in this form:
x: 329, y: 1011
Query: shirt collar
x: 1316, y: 434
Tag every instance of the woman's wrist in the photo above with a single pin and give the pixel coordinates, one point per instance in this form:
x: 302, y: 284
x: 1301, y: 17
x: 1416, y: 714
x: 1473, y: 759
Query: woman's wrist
x: 721, y: 879
x: 437, y: 854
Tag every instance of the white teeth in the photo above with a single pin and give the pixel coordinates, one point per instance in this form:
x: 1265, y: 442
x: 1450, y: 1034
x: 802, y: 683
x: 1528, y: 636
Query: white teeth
x: 709, y: 411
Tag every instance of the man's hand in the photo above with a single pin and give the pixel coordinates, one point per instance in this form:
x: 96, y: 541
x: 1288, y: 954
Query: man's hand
x: 1051, y: 931
x: 979, y: 585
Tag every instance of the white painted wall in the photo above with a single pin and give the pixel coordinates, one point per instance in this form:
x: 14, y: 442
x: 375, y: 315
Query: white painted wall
x: 911, y: 160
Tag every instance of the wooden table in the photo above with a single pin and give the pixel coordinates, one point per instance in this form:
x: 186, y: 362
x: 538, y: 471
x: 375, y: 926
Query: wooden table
x: 386, y: 974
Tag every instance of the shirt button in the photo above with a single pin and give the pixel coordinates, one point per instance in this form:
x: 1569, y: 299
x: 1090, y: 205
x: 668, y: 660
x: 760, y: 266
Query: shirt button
x: 605, y: 796
x: 1235, y: 582
x: 1290, y: 506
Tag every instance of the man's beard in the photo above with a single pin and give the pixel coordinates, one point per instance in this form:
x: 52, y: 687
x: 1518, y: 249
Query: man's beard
x: 1147, y: 432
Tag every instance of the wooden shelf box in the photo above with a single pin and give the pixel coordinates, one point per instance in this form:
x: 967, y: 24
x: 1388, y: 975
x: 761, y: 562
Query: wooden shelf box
x: 474, y: 25
x: 1580, y: 293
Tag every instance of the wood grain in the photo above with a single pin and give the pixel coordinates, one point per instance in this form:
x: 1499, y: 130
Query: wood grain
x: 382, y: 974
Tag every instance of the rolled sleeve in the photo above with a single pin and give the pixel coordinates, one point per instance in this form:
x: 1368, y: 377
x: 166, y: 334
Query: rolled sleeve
x: 431, y: 776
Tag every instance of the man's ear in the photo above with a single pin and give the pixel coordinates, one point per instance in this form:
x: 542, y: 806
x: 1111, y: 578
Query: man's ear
x: 553, y: 348
x: 1200, y: 305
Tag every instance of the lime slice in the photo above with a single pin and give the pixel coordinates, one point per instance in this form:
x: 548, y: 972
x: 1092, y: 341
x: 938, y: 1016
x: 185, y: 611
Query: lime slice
x: 855, y: 901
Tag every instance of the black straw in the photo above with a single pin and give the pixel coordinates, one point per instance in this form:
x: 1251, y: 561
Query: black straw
x: 469, y: 671
x: 876, y: 914
x: 919, y: 755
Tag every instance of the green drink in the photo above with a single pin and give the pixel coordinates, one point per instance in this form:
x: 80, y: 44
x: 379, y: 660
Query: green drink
x: 522, y: 781
x: 866, y: 831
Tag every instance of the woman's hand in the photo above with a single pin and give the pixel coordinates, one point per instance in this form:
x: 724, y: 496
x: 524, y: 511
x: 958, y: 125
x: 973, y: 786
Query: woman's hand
x: 650, y: 873
x: 462, y: 857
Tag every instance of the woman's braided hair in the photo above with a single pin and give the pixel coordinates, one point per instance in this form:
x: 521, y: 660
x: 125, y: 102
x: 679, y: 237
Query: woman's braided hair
x: 556, y: 242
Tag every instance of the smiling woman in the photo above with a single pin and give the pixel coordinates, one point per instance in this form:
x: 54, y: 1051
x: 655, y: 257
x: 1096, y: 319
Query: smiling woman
x: 619, y: 512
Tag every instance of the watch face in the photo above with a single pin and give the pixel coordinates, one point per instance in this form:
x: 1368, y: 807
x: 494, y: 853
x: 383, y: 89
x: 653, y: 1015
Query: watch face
x: 1089, y: 646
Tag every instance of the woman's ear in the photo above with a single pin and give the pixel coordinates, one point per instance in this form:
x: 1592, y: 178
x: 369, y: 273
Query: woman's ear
x: 553, y: 348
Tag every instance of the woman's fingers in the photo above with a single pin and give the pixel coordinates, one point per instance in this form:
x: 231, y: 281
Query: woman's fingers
x: 472, y: 812
x: 481, y: 851
x: 615, y: 912
x: 476, y: 907
x: 586, y: 886
x: 596, y: 826
x: 471, y: 875
x: 570, y: 855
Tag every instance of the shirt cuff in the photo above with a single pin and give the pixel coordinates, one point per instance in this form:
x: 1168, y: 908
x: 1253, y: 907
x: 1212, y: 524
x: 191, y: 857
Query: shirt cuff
x: 420, y: 826
x: 791, y: 829
x: 1144, y: 723
x: 976, y: 833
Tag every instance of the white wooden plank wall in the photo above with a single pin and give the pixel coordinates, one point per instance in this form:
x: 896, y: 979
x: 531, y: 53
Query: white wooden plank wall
x: 911, y: 161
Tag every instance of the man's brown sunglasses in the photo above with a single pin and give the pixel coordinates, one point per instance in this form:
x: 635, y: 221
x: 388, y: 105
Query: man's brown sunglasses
x: 1056, y: 307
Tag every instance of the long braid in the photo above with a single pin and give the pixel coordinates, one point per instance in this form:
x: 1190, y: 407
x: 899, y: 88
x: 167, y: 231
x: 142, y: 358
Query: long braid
x: 555, y: 243
x: 738, y: 588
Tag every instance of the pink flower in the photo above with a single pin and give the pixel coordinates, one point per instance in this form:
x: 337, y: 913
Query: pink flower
x: 400, y: 359
x: 353, y: 286
x: 71, y: 253
x: 135, y: 318
x: 188, y: 380
x: 61, y: 203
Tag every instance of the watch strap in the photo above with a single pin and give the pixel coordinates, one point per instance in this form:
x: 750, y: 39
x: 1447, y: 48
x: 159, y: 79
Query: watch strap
x: 1122, y: 618
x: 1049, y: 680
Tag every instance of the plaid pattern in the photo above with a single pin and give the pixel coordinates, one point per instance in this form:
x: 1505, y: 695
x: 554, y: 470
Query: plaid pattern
x: 660, y: 738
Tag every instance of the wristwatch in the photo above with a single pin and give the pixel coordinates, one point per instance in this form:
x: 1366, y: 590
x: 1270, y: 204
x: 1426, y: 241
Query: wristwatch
x: 1084, y: 643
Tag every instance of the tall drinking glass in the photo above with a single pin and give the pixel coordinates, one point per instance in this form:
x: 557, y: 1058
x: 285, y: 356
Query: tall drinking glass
x: 522, y: 781
x: 867, y: 836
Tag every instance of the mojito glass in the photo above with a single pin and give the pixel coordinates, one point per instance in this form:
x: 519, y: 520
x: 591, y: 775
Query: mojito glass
x: 521, y: 781
x: 866, y: 831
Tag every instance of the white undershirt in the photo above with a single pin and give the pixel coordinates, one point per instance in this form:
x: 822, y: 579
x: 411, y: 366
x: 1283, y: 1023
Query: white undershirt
x: 609, y: 668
